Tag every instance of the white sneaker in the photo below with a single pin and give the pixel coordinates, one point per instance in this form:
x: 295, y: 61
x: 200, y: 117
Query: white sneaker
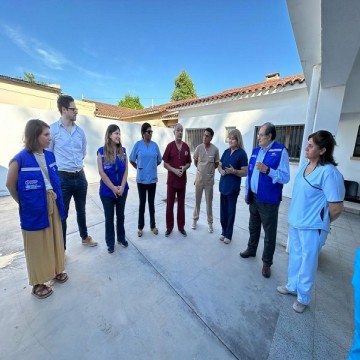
x: 227, y: 241
x: 299, y: 307
x: 193, y: 226
x: 222, y: 237
x: 210, y: 229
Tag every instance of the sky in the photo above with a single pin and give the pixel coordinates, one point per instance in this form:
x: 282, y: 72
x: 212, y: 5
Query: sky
x: 102, y: 50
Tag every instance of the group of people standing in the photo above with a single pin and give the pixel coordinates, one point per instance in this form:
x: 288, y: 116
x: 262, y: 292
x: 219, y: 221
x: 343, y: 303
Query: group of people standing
x: 37, y: 181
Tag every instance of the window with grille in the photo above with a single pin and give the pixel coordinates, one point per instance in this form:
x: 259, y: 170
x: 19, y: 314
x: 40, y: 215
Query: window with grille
x: 194, y: 137
x: 226, y: 134
x: 357, y: 145
x: 291, y: 136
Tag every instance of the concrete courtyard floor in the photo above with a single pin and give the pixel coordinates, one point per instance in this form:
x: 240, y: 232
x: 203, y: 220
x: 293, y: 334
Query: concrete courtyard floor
x: 174, y: 298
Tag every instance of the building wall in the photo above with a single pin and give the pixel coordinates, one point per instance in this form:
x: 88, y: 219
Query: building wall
x: 345, y: 139
x: 31, y: 96
x: 12, y: 125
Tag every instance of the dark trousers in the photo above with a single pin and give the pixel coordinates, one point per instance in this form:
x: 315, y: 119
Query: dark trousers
x: 75, y: 186
x: 227, y: 214
x: 171, y: 192
x: 109, y: 205
x: 267, y: 215
x: 150, y: 189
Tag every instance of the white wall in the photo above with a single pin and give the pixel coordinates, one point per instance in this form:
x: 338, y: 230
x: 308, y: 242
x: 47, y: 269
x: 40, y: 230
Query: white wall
x: 345, y: 139
x: 283, y: 108
x: 12, y: 124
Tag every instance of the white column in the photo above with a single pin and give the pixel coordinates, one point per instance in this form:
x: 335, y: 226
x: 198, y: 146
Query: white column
x: 311, y: 109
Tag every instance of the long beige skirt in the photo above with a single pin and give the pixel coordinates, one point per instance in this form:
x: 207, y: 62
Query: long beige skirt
x: 44, y: 249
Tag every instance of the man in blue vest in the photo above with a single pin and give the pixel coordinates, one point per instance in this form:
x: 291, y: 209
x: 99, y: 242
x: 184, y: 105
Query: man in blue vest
x: 268, y: 171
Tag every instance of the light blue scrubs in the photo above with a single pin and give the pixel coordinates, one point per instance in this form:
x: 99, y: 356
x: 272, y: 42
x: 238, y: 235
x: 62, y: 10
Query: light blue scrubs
x: 147, y: 157
x: 309, y: 221
x: 354, y: 353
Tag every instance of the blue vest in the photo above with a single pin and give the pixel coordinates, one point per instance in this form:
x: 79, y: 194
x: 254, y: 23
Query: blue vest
x: 115, y: 172
x: 32, y: 191
x: 267, y: 191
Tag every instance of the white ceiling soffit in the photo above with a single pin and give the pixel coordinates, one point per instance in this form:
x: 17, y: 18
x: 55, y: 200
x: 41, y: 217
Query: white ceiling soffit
x: 305, y: 17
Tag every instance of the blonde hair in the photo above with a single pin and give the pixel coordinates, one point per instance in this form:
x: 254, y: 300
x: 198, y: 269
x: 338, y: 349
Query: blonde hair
x: 238, y: 137
x: 109, y: 154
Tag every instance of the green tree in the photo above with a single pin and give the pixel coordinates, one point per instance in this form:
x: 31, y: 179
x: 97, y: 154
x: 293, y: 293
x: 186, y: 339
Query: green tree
x: 30, y: 77
x: 131, y: 102
x: 184, y: 88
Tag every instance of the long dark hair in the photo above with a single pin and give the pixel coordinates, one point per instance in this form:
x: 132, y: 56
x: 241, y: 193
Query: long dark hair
x: 324, y: 140
x: 109, y: 153
x: 33, y: 130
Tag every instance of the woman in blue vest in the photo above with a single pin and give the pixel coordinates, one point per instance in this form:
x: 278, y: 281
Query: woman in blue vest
x: 317, y: 200
x: 113, y: 170
x: 232, y: 167
x: 146, y: 157
x: 34, y: 183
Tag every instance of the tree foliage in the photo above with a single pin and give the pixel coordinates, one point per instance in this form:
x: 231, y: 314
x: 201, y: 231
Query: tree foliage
x: 131, y: 102
x: 184, y: 87
x: 30, y: 77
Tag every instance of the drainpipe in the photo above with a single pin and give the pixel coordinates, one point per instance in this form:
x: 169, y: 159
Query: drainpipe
x: 311, y: 109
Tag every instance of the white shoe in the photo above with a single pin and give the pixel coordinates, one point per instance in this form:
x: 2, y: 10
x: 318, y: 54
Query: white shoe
x: 210, y: 229
x: 193, y: 226
x: 299, y: 307
x: 222, y: 237
x: 284, y: 290
x: 227, y: 241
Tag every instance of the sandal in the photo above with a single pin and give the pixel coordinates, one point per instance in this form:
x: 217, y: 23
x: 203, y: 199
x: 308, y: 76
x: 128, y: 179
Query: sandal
x: 140, y: 233
x: 155, y: 230
x: 61, y: 278
x: 41, y: 291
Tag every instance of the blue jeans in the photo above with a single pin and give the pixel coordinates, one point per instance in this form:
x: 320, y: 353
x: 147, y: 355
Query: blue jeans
x: 109, y: 204
x: 227, y: 213
x: 150, y: 189
x: 74, y: 186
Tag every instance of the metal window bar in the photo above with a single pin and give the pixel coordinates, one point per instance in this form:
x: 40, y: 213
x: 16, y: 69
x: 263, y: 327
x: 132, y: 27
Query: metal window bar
x: 291, y: 136
x: 194, y: 137
x: 357, y: 144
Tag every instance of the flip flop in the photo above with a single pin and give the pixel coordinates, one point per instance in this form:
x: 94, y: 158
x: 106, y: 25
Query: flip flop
x: 38, y: 291
x: 62, y: 277
x: 155, y: 230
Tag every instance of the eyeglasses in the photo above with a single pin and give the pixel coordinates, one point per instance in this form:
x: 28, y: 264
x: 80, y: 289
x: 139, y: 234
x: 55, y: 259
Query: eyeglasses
x: 73, y: 109
x: 149, y: 132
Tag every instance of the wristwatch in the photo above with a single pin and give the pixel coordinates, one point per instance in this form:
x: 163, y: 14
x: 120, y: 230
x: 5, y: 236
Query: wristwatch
x: 267, y: 171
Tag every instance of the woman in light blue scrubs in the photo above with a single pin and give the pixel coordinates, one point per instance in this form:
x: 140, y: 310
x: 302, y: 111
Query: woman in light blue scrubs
x: 317, y: 200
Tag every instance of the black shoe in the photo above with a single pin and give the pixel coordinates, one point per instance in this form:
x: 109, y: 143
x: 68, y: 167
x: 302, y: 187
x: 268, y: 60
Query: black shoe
x: 183, y: 233
x: 110, y: 250
x: 247, y: 253
x: 167, y: 233
x: 266, y: 271
x: 124, y: 243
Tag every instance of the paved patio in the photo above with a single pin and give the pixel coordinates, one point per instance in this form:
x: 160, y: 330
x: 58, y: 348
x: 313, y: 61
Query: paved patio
x: 174, y: 298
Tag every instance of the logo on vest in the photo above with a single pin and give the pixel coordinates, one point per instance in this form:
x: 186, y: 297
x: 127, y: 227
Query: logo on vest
x: 32, y: 185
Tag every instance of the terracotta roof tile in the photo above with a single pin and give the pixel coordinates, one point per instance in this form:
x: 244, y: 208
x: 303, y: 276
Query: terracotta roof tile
x: 266, y: 85
x: 110, y: 111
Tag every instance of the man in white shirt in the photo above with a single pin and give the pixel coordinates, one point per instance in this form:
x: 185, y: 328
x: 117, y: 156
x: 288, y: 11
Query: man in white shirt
x: 68, y: 143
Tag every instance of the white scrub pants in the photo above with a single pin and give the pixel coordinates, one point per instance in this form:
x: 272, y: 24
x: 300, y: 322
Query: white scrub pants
x: 304, y: 249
